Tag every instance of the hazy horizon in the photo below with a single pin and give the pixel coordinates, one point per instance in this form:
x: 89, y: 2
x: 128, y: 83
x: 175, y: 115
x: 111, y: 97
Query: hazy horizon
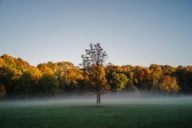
x: 131, y: 32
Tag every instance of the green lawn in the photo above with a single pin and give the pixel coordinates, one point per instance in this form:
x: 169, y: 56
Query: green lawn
x: 93, y: 116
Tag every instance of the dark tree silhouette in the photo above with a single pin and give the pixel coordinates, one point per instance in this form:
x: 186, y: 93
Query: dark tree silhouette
x: 91, y: 62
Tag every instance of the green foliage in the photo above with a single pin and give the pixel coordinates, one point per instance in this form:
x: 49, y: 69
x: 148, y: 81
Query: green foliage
x: 118, y: 81
x: 24, y: 84
x: 6, y: 78
x: 48, y: 84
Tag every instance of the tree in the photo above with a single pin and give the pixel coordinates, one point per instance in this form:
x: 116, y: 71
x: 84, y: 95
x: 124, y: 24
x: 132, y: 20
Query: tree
x: 118, y: 81
x: 155, y: 75
x: 141, y: 77
x: 48, y: 85
x: 6, y: 78
x: 24, y: 84
x: 45, y: 69
x: 184, y: 77
x: 168, y: 84
x: 92, y: 61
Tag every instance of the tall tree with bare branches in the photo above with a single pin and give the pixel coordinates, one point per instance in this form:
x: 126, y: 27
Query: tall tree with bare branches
x: 92, y: 61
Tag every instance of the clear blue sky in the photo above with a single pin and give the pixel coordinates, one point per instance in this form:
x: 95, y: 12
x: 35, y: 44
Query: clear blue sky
x: 136, y: 32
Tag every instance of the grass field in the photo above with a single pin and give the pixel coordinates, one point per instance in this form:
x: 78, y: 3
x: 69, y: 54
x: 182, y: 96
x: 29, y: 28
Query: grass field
x: 89, y: 115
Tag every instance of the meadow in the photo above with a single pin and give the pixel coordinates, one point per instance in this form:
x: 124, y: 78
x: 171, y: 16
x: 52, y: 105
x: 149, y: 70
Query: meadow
x: 84, y: 113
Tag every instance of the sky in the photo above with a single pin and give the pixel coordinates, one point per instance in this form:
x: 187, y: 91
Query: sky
x: 132, y: 32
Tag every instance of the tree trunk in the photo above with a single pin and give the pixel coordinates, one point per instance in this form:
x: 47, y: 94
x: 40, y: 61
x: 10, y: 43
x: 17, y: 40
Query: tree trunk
x: 98, y: 94
x: 98, y: 86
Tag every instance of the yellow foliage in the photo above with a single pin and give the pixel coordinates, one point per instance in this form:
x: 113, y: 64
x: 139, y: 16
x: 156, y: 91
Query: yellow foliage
x: 2, y: 62
x: 169, y: 84
x: 45, y: 69
x: 36, y: 73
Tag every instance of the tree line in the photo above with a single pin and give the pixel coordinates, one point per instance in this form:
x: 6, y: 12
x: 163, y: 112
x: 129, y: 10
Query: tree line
x: 20, y: 79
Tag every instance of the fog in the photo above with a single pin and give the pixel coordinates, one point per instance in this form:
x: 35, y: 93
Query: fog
x: 122, y: 99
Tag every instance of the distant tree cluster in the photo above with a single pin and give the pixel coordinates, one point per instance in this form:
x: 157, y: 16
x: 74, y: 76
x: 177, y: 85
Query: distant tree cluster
x: 19, y: 79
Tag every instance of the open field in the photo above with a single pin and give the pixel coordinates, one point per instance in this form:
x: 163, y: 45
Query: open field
x: 132, y: 113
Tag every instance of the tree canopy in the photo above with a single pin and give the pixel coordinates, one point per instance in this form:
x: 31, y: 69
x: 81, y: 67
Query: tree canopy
x: 20, y: 79
x: 92, y: 63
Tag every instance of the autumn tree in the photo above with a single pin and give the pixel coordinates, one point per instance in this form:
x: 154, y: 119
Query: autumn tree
x: 168, y: 84
x: 45, y: 69
x: 92, y: 61
x: 141, y: 77
x: 118, y: 81
x: 67, y: 74
x: 19, y: 78
x: 155, y: 75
